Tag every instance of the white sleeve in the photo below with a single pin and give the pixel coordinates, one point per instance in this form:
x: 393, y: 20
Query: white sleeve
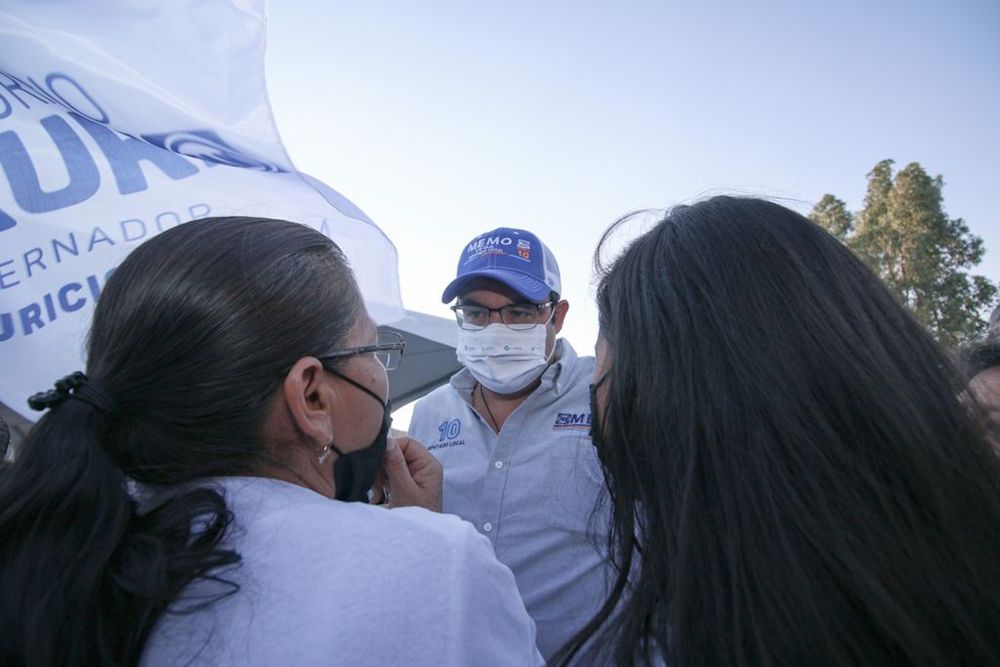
x: 492, y: 624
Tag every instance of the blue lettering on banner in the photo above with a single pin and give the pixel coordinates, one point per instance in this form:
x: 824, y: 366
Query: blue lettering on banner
x: 50, y: 82
x: 4, y: 275
x: 34, y: 316
x: 84, y: 179
x: 12, y: 84
x: 50, y: 93
x: 125, y: 155
x: 572, y: 420
x: 54, y: 251
x: 209, y: 147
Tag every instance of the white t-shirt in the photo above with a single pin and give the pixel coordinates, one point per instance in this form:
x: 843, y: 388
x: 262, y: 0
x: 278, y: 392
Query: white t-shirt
x: 329, y: 583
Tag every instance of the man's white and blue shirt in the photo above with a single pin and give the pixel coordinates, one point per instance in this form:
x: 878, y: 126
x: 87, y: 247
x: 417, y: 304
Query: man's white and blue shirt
x: 531, y: 489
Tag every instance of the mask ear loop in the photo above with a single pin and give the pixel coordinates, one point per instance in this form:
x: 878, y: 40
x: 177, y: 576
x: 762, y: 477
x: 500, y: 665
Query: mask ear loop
x: 324, y: 453
x: 551, y: 355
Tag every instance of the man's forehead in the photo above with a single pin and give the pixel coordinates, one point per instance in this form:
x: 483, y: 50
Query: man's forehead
x: 487, y: 287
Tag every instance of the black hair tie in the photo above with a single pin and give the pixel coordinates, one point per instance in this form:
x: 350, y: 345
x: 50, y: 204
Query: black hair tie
x: 75, y: 385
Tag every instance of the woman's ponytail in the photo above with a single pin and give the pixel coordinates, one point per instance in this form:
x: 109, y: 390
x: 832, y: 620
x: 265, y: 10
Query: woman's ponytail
x: 83, y: 575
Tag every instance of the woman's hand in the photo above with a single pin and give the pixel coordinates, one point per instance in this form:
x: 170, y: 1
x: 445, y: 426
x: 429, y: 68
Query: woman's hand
x: 410, y: 475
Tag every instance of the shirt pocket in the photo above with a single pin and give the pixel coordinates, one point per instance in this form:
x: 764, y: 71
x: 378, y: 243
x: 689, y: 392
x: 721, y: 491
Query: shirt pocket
x: 575, y: 483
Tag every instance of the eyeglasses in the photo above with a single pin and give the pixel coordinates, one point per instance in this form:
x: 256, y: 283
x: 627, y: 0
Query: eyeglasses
x: 388, y: 350
x: 516, y: 316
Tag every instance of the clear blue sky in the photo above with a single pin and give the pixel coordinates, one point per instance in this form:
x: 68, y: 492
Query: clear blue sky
x: 442, y: 119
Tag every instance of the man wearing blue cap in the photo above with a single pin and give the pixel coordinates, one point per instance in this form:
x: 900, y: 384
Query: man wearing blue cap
x: 511, y: 431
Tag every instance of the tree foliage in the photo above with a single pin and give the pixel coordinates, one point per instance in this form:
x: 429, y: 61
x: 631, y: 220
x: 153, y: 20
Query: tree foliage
x: 905, y: 236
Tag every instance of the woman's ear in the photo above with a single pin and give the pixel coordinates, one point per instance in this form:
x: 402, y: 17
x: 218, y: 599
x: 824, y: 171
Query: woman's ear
x: 309, y: 396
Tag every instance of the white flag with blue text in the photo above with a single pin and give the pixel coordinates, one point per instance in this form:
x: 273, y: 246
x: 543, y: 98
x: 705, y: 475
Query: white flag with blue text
x: 118, y: 120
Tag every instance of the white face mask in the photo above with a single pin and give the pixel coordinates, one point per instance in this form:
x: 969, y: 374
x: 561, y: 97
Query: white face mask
x: 501, y: 359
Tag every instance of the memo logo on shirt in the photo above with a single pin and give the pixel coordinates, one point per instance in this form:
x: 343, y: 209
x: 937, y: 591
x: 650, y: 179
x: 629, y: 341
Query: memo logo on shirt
x: 572, y: 420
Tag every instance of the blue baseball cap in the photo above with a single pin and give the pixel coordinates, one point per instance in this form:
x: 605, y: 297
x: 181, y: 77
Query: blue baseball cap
x: 514, y: 257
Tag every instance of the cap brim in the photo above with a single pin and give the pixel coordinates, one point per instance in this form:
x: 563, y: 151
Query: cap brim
x: 528, y: 287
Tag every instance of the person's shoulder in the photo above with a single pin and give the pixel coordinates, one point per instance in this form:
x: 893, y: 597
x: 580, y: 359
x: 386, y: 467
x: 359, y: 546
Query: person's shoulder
x: 586, y: 364
x: 443, y: 399
x: 579, y: 370
x: 303, y: 555
x: 443, y: 394
x: 438, y: 530
x: 311, y: 519
x: 570, y: 357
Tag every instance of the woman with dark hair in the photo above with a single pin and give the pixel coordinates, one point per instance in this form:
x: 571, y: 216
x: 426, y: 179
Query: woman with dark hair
x: 175, y: 505
x: 794, y: 478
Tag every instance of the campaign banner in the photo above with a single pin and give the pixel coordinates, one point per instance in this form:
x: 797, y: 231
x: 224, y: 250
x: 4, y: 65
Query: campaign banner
x: 119, y: 120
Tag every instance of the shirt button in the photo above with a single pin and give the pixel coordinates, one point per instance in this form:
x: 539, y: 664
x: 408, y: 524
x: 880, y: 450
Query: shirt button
x: 498, y: 465
x: 487, y: 526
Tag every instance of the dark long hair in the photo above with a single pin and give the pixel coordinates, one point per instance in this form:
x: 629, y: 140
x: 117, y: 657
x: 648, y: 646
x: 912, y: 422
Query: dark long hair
x: 794, y: 479
x: 191, y: 337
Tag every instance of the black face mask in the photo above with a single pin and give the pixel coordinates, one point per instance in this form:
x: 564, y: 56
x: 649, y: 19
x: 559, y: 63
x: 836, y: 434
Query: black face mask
x: 354, y: 472
x: 596, y: 427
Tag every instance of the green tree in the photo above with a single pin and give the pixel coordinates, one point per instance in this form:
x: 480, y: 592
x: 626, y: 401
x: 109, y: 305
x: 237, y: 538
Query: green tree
x: 832, y: 213
x: 905, y: 236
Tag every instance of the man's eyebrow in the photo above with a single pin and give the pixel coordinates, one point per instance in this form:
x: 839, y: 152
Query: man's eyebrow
x: 473, y: 302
